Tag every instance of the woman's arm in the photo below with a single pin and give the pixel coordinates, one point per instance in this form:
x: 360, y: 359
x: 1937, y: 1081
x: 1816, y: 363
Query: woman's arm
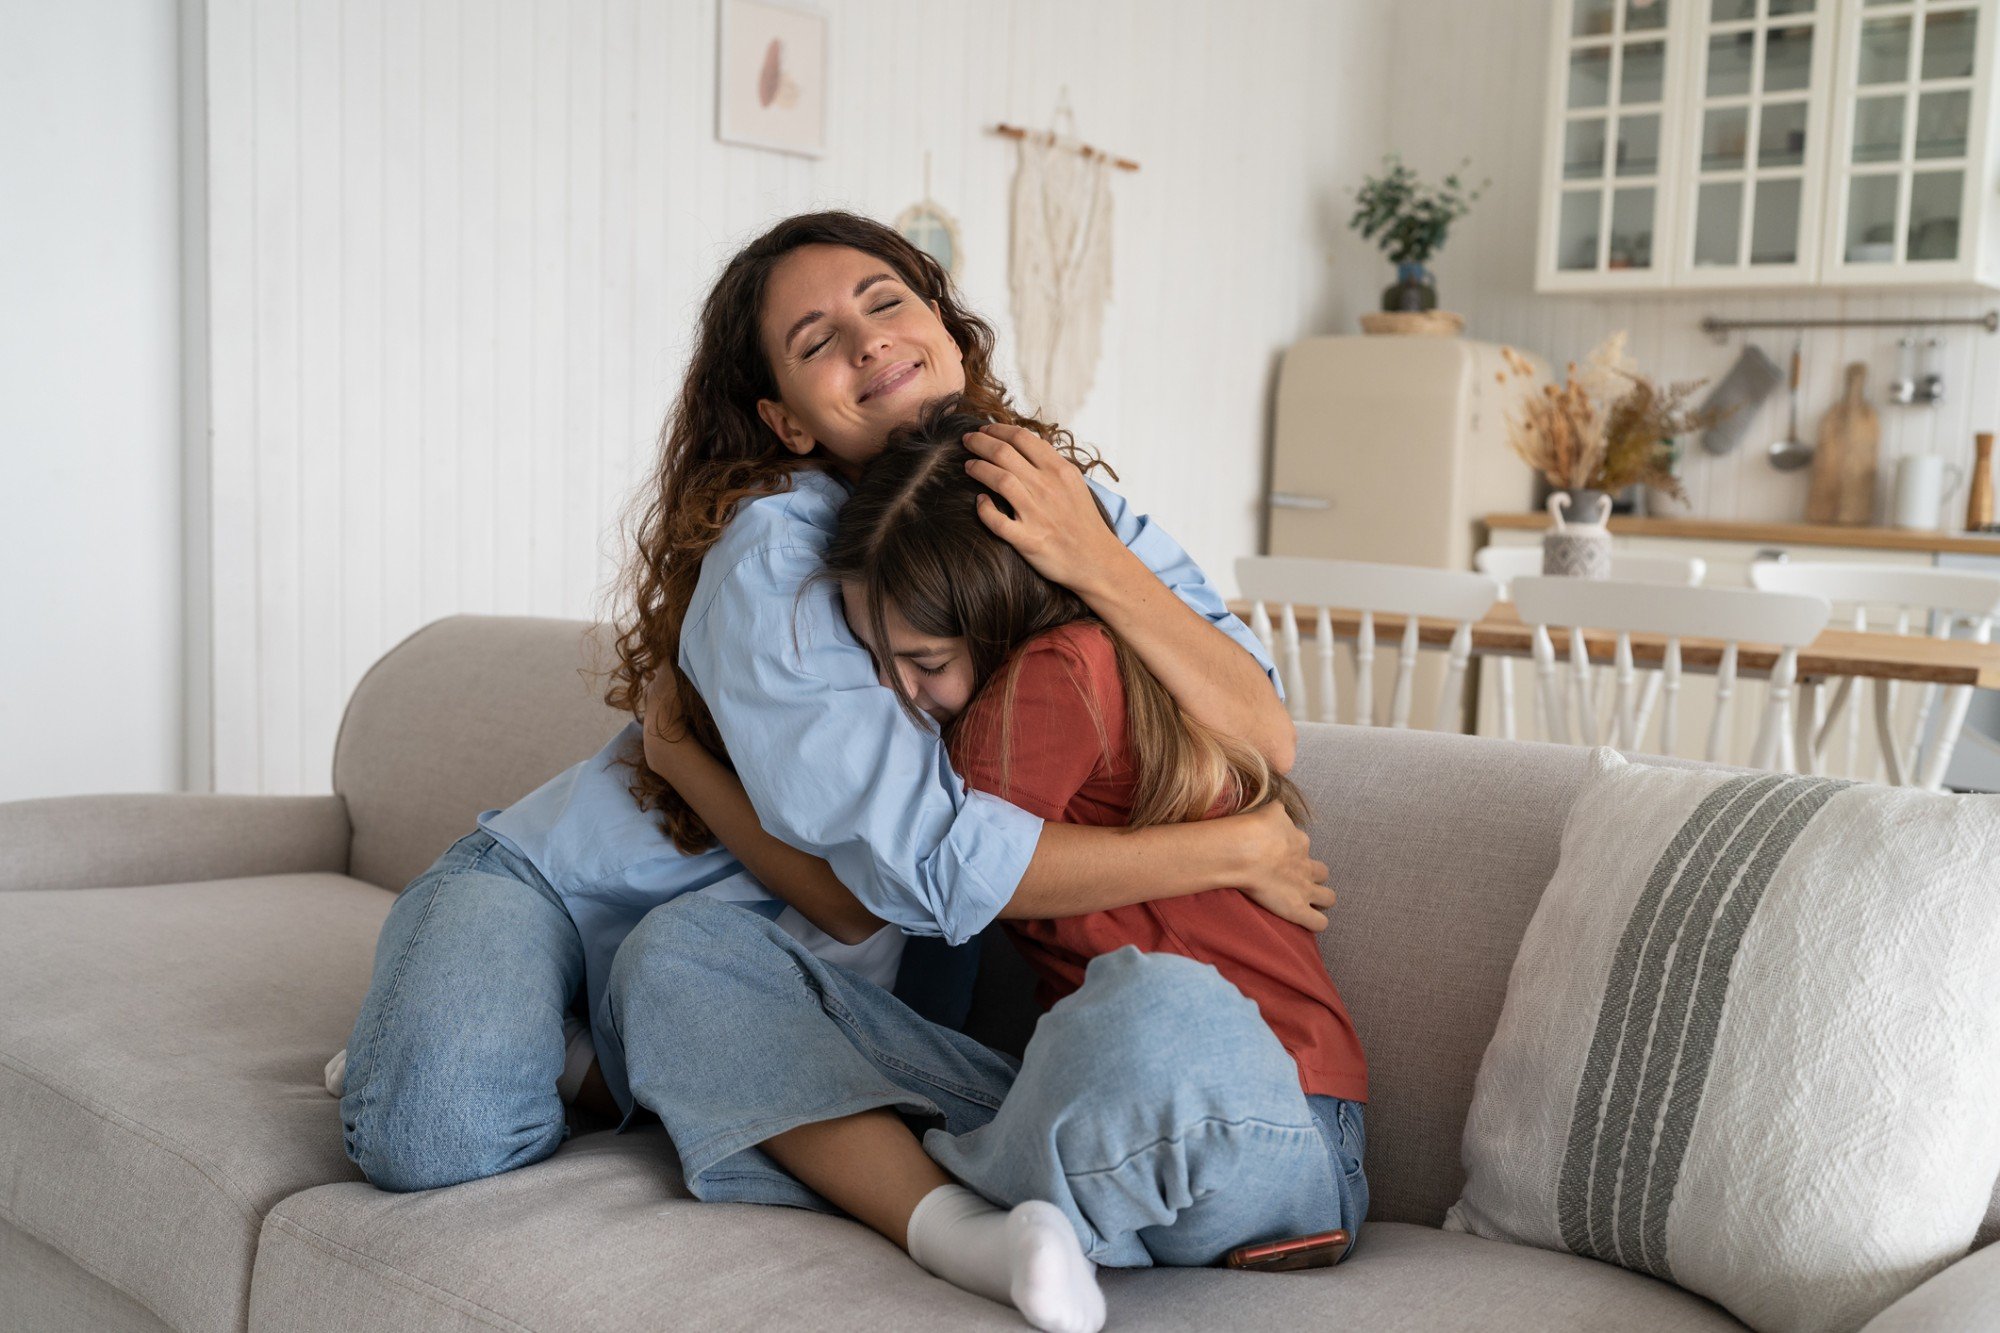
x: 805, y: 881
x: 1058, y: 530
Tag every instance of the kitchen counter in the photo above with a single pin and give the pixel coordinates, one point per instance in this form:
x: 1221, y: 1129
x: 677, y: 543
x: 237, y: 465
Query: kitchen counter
x: 1776, y: 534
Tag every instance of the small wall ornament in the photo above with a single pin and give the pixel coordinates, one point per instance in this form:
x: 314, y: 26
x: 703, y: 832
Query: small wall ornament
x: 927, y: 226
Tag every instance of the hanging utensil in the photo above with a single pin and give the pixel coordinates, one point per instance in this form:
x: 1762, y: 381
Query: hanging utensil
x: 1791, y: 453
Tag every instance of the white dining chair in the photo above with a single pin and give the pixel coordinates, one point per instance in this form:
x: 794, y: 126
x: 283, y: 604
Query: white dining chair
x: 1294, y: 584
x: 1903, y: 601
x: 1507, y: 563
x: 1731, y: 616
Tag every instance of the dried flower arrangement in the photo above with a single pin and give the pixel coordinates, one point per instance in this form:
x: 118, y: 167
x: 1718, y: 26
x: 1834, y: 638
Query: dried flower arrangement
x: 1605, y: 426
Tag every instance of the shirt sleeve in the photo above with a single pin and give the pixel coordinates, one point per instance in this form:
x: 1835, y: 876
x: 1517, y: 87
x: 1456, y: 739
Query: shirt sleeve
x: 833, y: 764
x: 1039, y: 753
x: 1177, y: 569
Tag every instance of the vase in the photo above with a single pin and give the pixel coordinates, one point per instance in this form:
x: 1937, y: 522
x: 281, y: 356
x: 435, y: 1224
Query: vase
x: 1580, y: 549
x: 1413, y: 290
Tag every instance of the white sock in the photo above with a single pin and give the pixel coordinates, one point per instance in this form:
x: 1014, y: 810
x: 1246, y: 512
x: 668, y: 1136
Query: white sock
x: 336, y: 1073
x: 1028, y: 1258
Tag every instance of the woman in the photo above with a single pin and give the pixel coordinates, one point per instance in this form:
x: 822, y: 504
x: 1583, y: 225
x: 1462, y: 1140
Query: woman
x: 1166, y: 1111
x: 819, y: 338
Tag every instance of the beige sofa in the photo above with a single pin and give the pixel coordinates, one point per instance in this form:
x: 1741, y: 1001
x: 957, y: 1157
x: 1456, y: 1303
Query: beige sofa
x: 174, y: 970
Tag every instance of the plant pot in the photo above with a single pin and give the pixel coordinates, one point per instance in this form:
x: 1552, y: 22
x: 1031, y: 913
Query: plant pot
x: 1579, y: 549
x: 1413, y: 290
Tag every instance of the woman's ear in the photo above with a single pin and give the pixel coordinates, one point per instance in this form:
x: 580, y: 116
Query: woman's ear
x: 790, y: 431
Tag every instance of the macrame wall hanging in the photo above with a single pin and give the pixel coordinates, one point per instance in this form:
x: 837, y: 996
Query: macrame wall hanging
x: 1060, y: 267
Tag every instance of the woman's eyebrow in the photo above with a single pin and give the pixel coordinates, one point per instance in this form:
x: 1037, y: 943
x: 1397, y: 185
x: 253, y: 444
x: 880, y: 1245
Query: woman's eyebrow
x: 812, y: 315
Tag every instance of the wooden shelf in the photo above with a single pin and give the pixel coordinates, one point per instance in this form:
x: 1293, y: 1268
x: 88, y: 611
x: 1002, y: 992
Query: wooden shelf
x: 1775, y: 534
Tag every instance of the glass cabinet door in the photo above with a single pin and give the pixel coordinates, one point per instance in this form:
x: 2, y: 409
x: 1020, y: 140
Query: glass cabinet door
x: 1910, y: 101
x: 1612, y: 135
x: 1754, y: 134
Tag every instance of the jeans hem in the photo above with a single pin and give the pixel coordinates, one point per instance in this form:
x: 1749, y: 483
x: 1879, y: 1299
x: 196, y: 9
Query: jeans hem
x: 723, y: 1145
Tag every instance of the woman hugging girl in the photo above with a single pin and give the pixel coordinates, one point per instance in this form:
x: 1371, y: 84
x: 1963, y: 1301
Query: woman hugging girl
x: 1196, y: 1084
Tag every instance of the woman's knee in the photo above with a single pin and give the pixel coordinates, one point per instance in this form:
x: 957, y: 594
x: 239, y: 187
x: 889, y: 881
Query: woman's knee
x: 685, y: 945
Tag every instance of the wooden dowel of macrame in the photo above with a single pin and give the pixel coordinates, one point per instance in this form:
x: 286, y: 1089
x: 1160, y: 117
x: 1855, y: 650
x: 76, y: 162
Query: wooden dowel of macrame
x: 1006, y: 131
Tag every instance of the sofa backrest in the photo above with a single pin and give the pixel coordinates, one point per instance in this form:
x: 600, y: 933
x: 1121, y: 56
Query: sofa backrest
x: 1439, y: 848
x: 469, y: 713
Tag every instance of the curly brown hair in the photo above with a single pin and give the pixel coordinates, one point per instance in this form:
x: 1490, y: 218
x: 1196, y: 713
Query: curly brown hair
x: 716, y: 452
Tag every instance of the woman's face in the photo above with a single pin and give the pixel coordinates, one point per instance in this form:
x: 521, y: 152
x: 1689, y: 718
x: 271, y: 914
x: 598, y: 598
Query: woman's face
x: 936, y: 673
x: 855, y: 352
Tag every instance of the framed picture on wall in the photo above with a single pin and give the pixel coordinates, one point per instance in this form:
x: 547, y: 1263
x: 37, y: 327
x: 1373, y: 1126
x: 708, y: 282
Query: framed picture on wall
x: 770, y: 85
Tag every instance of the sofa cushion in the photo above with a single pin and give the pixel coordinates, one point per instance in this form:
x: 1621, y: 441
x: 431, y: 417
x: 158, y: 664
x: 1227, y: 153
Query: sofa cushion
x: 469, y: 713
x: 160, y: 1059
x: 1752, y: 1041
x: 603, y: 1236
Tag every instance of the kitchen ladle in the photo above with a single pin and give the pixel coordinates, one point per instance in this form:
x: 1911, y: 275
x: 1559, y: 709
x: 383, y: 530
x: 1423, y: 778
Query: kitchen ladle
x: 1791, y: 453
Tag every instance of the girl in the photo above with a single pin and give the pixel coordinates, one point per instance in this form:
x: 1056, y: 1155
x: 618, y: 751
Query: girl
x: 819, y: 337
x: 1202, y: 1091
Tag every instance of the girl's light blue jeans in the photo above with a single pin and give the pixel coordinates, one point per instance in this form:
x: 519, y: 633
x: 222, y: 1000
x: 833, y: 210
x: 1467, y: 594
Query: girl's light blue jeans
x: 1153, y: 1107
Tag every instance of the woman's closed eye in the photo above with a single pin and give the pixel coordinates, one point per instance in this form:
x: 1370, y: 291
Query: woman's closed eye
x: 882, y: 309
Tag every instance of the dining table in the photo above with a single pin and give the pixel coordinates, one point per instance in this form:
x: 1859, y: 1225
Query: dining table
x: 1837, y: 655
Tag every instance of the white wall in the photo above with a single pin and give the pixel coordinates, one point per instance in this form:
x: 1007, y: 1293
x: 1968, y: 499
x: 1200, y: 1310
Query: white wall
x: 455, y: 249
x: 90, y: 612
x: 1485, y: 70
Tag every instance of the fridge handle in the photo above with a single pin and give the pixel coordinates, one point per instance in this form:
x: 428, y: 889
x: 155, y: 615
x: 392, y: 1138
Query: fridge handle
x: 1287, y: 500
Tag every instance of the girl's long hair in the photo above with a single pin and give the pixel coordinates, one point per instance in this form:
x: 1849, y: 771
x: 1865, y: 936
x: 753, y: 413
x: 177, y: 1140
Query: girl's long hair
x: 715, y: 453
x: 911, y: 537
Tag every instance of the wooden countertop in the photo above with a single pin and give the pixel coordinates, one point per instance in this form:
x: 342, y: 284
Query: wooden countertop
x: 1776, y: 534
x: 1836, y: 652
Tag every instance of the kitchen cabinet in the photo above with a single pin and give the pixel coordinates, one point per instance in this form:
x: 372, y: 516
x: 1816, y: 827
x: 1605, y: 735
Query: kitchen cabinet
x: 1769, y: 144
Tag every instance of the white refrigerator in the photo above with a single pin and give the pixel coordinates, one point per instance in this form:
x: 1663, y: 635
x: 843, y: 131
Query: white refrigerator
x: 1391, y: 449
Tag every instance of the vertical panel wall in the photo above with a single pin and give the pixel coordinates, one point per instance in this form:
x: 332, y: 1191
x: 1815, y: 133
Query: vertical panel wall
x: 456, y: 249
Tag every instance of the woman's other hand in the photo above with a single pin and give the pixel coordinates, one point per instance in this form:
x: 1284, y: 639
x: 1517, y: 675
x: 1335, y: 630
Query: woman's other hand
x: 1056, y: 526
x: 1281, y: 876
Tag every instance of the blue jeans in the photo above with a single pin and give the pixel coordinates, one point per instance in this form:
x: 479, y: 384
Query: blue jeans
x: 452, y: 1067
x: 1153, y: 1107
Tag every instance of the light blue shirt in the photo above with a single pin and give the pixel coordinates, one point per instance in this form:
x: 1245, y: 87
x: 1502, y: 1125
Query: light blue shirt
x: 830, y: 760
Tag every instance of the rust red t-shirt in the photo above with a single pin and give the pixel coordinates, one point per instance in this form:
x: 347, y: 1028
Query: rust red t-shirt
x: 1068, y: 760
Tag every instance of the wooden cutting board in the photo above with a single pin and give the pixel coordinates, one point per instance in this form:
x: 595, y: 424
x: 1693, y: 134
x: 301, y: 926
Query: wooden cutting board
x: 1843, y: 474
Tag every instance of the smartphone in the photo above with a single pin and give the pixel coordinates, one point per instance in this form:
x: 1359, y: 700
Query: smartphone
x: 1321, y: 1250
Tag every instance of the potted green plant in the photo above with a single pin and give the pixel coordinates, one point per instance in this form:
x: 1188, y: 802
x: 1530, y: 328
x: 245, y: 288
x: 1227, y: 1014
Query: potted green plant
x: 1409, y: 221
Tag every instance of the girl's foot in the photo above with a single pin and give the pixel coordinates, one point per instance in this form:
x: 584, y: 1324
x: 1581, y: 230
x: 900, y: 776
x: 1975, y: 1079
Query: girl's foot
x: 1028, y: 1258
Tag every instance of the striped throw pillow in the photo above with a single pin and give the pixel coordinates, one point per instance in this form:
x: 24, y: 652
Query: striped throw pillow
x: 1751, y: 1042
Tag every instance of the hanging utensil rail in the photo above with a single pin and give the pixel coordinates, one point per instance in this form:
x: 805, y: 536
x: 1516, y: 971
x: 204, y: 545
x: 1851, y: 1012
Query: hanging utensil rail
x: 1720, y: 329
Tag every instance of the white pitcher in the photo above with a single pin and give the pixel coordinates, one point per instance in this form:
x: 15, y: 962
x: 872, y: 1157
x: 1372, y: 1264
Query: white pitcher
x: 1921, y: 490
x: 1581, y: 549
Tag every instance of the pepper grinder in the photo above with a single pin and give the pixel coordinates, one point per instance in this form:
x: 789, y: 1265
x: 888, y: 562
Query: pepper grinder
x: 1979, y: 499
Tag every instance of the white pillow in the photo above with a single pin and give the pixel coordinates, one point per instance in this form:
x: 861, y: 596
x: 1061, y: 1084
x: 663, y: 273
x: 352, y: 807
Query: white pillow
x: 1751, y: 1042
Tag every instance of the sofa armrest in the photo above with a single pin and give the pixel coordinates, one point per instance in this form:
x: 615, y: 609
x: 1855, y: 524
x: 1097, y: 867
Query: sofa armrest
x: 102, y: 842
x: 1961, y: 1299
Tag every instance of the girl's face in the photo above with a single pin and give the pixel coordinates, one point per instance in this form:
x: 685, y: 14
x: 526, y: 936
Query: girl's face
x: 935, y: 673
x: 855, y: 352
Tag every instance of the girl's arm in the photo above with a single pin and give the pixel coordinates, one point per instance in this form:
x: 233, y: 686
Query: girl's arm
x: 1057, y: 528
x: 805, y: 881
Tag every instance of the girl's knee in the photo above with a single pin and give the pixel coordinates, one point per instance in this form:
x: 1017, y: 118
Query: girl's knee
x: 686, y: 943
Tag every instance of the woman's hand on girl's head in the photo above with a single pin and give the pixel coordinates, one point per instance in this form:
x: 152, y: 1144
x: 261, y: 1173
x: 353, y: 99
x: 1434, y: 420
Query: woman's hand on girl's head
x: 1281, y: 876
x: 1056, y: 525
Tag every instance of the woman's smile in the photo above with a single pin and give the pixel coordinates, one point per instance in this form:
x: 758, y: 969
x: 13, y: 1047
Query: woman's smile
x: 892, y: 379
